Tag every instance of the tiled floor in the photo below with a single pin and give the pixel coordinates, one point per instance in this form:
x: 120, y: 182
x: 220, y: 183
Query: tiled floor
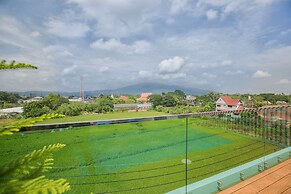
x: 272, y: 181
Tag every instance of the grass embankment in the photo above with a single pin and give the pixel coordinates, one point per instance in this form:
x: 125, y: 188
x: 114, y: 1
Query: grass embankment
x: 147, y: 155
x: 114, y: 115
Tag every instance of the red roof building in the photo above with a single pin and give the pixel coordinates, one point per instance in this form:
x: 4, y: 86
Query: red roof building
x: 124, y: 98
x: 144, y: 97
x: 225, y: 103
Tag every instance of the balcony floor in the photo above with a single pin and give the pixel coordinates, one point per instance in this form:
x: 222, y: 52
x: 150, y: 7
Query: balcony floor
x: 274, y: 180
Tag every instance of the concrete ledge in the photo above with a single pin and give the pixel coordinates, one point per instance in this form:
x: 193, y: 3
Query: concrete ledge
x: 230, y: 177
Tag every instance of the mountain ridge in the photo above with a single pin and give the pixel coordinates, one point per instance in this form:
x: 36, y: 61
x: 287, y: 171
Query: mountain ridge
x: 151, y: 87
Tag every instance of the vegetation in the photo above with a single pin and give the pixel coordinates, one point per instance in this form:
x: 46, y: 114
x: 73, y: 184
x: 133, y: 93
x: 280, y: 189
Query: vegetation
x: 169, y: 99
x: 54, y: 103
x: 8, y: 99
x: 26, y: 174
x: 14, y: 65
x: 112, y: 115
x: 95, y: 155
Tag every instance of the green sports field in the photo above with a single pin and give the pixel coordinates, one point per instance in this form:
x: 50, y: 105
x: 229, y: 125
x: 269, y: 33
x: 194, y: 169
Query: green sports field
x: 144, y: 157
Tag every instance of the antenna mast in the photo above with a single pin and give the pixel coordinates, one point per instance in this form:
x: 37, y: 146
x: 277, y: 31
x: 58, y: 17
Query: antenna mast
x: 81, y: 88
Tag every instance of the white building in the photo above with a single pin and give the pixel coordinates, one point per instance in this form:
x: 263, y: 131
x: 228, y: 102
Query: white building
x: 225, y: 103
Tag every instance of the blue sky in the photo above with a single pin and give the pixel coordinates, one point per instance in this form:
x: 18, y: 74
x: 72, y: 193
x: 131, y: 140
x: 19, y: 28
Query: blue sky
x: 231, y: 46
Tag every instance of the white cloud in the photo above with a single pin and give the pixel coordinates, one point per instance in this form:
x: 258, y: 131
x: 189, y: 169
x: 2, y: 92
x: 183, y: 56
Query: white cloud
x: 35, y: 34
x: 56, y: 50
x: 209, y: 75
x: 284, y: 32
x: 173, y: 76
x: 211, y: 14
x: 284, y: 81
x: 171, y: 65
x: 104, y: 69
x: 226, y: 62
x: 261, y: 74
x: 141, y: 46
x: 138, y: 47
x: 238, y: 72
x: 264, y: 2
x: 70, y: 70
x: 14, y: 32
x: 111, y: 44
x: 145, y: 74
x: 117, y: 18
x: 178, y: 6
x: 67, y: 29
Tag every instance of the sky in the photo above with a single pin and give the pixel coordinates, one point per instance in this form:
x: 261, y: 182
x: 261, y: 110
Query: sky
x: 229, y: 46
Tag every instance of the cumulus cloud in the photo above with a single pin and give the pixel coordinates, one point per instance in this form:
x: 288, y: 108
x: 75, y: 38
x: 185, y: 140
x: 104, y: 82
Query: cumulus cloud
x: 226, y: 62
x: 35, y: 34
x: 261, y: 74
x: 117, y: 18
x: 284, y: 81
x: 67, y: 29
x: 171, y: 65
x: 111, y: 44
x: 14, y: 32
x: 138, y: 47
x: 141, y: 46
x: 211, y: 14
x: 178, y: 6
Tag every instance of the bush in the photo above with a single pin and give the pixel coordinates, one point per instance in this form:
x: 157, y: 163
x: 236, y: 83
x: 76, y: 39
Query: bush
x: 35, y: 109
x: 72, y: 109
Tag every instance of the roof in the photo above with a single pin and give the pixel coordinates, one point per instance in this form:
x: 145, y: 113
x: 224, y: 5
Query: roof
x: 230, y: 101
x: 125, y: 98
x: 145, y: 95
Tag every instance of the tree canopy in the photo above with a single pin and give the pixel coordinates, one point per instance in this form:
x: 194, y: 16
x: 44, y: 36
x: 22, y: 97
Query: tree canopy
x: 14, y: 65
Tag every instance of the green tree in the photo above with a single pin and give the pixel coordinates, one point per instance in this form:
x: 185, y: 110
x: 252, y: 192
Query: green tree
x: 14, y: 65
x: 72, y: 109
x: 35, y: 109
x: 105, y: 104
x: 156, y: 100
x: 53, y: 101
x: 169, y: 100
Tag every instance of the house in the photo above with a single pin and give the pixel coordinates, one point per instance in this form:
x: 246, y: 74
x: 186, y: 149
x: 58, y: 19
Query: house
x: 124, y: 98
x: 190, y: 100
x: 144, y: 97
x: 226, y: 103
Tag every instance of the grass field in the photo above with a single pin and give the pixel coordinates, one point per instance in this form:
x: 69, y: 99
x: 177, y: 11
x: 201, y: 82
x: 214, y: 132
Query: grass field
x: 114, y: 115
x: 147, y: 155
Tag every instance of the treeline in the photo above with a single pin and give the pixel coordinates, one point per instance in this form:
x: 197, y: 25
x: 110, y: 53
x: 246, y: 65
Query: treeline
x: 176, y: 102
x: 8, y: 100
x: 54, y: 103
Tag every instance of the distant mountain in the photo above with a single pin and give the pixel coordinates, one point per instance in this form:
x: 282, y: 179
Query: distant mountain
x: 155, y: 88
